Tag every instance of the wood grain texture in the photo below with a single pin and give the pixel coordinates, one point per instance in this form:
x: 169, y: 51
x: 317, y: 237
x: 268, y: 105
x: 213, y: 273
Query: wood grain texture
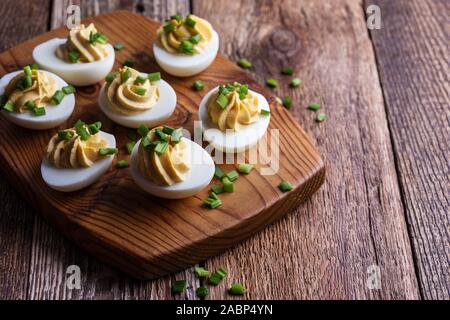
x: 413, y: 58
x: 16, y: 217
x: 356, y: 220
x: 141, y: 235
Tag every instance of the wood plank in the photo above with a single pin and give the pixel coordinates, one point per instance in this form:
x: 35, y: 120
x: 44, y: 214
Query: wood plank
x: 322, y: 249
x: 16, y: 217
x: 412, y: 54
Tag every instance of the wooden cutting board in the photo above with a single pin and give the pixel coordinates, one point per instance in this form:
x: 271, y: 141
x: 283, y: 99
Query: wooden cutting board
x: 113, y: 219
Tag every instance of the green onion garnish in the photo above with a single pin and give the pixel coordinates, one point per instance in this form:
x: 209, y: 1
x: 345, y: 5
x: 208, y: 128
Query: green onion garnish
x: 186, y: 47
x: 126, y: 75
x: 228, y: 186
x: 128, y: 63
x: 140, y: 80
x: 121, y: 164
x: 119, y: 46
x: 285, y: 186
x: 264, y: 112
x: 161, y: 148
x: 213, y: 202
x: 222, y: 101
x: 195, y: 39
x: 140, y: 91
x: 222, y: 272
x: 97, y: 37
x: 244, y: 63
x: 177, y: 17
x: 287, y: 71
x: 33, y: 66
x: 94, y: 127
x: 58, y: 97
x: 129, y: 146
x: 27, y: 70
x: 65, y: 135
x: 273, y: 83
x: 8, y: 106
x: 295, y: 82
x: 198, y: 85
x: 110, y: 77
x: 202, y: 291
x: 287, y: 102
x: 74, y: 56
x: 155, y: 76
x: 179, y: 286
x: 27, y: 81
x: 83, y: 132
x: 169, y: 27
x: 218, y: 173
x: 232, y: 175
x: 243, y: 90
x: 217, y: 276
x: 190, y: 22
x: 146, y: 142
x: 167, y: 129
x: 143, y: 130
x: 39, y: 111
x: 201, y: 272
x: 245, y: 168
x: 161, y: 135
x: 131, y: 134
x: 314, y: 106
x: 107, y: 151
x: 237, y: 289
x: 321, y: 117
x: 217, y: 188
x: 68, y: 89
x: 30, y: 105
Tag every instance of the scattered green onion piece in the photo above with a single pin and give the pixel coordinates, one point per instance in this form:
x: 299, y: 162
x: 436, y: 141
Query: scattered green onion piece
x: 74, y: 56
x: 102, y: 39
x: 129, y: 146
x: 140, y: 80
x: 213, y: 196
x: 199, y: 85
x: 143, y: 130
x: 179, y: 286
x: 119, y: 46
x: 222, y: 101
x: 126, y: 75
x: 190, y: 22
x: 107, y: 151
x: 195, y: 39
x: 237, y: 289
x: 201, y: 272
x: 295, y: 82
x: 218, y: 173
x: 168, y: 27
x: 245, y: 168
x: 110, y: 77
x: 202, y: 291
x: 321, y: 117
x: 128, y: 63
x: 27, y: 81
x: 264, y: 112
x: 177, y: 17
x: 212, y: 203
x: 244, y: 63
x: 228, y: 186
x: 39, y: 111
x: 285, y: 186
x: 273, y: 83
x: 83, y: 132
x: 314, y: 106
x: 140, y: 91
x: 222, y: 272
x: 131, y: 134
x: 97, y: 37
x: 217, y: 276
x: 161, y: 135
x: 167, y: 129
x: 33, y: 66
x: 146, y: 142
x: 94, y: 127
x: 287, y: 102
x: 155, y: 76
x: 186, y: 47
x: 121, y: 164
x: 68, y: 89
x: 243, y: 91
x: 233, y: 175
x: 217, y: 188
x: 161, y: 148
x: 65, y: 135
x: 58, y: 97
x: 8, y: 106
x: 30, y: 105
x: 287, y: 71
x: 27, y: 70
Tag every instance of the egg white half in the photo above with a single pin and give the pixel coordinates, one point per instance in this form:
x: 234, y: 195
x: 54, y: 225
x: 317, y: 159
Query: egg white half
x: 234, y: 141
x: 186, y: 65
x: 54, y: 114
x: 162, y: 109
x: 78, y: 74
x: 72, y: 179
x: 196, y: 179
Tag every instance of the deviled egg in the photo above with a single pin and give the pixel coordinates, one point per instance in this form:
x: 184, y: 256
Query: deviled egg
x: 36, y: 99
x: 233, y: 118
x: 185, y: 46
x: 84, y: 58
x: 77, y: 157
x: 167, y: 165
x: 131, y: 98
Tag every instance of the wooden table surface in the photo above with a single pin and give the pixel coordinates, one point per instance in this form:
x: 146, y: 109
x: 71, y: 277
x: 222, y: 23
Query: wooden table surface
x: 385, y: 201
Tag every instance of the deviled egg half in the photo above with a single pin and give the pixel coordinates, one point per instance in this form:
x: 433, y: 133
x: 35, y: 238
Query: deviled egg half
x: 77, y: 157
x: 167, y: 165
x: 84, y: 58
x: 131, y: 98
x: 36, y: 99
x: 185, y: 46
x: 233, y: 117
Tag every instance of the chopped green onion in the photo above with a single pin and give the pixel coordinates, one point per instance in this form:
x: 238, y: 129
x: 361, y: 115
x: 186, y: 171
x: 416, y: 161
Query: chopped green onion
x: 168, y: 27
x: 295, y: 82
x: 217, y: 188
x: 161, y: 148
x: 199, y: 85
x: 65, y: 135
x: 179, y: 286
x: 58, y: 97
x: 140, y: 80
x: 222, y: 272
x: 107, y: 151
x: 245, y: 168
x: 233, y: 175
x: 119, y: 46
x: 195, y: 39
x: 218, y: 173
x: 222, y: 101
x: 94, y: 127
x: 146, y: 142
x: 140, y: 91
x: 155, y: 76
x: 8, y: 106
x: 143, y: 130
x: 244, y: 63
x: 186, y: 47
x: 287, y: 102
x: 39, y: 111
x: 177, y: 17
x: 243, y: 91
x: 126, y: 75
x: 212, y: 202
x: 213, y: 196
x: 33, y: 66
x: 74, y: 56
x: 27, y: 70
x: 201, y: 272
x: 129, y: 146
x: 27, y: 81
x: 237, y: 289
x: 287, y: 71
x: 82, y: 131
x: 217, y: 276
x: 167, y: 129
x: 161, y: 135
x: 228, y: 186
x: 121, y: 164
x: 97, y: 37
x: 273, y: 83
x: 131, y: 134
x: 202, y: 291
x: 30, y: 105
x: 314, y: 106
x: 264, y: 112
x: 190, y: 22
x: 110, y: 77
x: 285, y: 186
x: 128, y: 63
x: 68, y: 89
x: 321, y: 117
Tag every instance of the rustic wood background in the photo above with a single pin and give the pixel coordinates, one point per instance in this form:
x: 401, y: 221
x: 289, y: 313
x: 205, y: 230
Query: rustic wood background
x: 386, y: 143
